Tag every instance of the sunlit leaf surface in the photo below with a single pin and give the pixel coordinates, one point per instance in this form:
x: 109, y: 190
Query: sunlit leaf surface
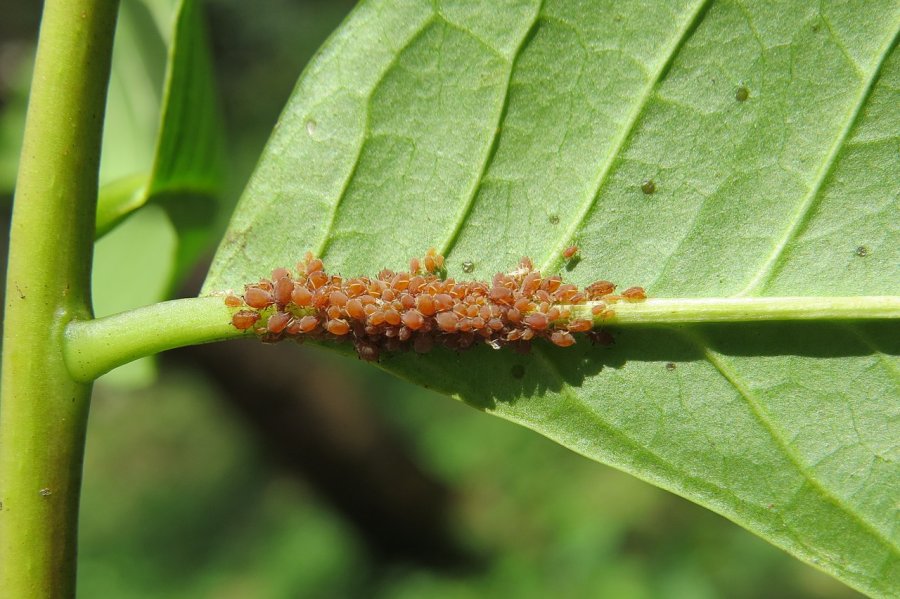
x: 770, y: 135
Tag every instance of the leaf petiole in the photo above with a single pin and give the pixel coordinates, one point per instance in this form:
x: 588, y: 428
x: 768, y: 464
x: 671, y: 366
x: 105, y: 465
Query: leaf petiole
x: 93, y: 347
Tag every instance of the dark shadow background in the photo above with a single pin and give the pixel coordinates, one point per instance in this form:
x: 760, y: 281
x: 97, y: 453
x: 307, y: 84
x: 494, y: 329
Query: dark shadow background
x: 282, y: 471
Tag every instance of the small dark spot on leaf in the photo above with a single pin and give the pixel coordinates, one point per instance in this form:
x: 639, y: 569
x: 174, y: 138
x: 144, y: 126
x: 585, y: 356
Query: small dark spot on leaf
x: 44, y: 492
x: 601, y: 337
x: 862, y: 251
x: 742, y: 93
x: 572, y: 262
x: 468, y: 266
x: 554, y: 219
x: 670, y: 366
x: 648, y: 186
x: 517, y: 371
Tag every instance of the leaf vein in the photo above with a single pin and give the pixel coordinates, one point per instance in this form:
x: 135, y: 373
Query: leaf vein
x: 732, y: 378
x: 467, y: 205
x: 689, y: 26
x: 805, y: 209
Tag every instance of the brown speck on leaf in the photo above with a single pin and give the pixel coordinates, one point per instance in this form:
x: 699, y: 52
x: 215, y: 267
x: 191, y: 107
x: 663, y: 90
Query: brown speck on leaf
x: 670, y: 366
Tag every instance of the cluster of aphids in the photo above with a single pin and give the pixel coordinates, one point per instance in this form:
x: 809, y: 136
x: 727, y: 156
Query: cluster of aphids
x: 418, y: 309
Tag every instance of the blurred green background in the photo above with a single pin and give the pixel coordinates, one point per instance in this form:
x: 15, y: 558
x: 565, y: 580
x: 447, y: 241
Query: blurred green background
x: 245, y: 472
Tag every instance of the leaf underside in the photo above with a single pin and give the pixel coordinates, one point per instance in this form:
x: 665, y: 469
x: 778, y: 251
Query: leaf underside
x: 493, y: 130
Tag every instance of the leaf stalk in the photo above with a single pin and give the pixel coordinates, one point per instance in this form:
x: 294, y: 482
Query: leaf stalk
x: 93, y: 347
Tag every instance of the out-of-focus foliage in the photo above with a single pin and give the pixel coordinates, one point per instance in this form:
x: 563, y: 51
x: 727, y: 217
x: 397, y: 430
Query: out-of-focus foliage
x: 178, y: 502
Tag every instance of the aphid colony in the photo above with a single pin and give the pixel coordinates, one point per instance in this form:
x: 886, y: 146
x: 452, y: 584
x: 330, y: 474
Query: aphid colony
x: 417, y: 309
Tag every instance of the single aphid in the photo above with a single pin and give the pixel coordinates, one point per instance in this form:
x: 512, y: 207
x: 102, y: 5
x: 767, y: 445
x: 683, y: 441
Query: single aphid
x: 278, y: 322
x: 258, y: 298
x: 570, y: 252
x: 537, y: 321
x: 284, y: 286
x: 355, y: 309
x: 244, y: 319
x: 562, y: 338
x: 337, y: 326
x: 413, y: 319
x: 599, y: 289
x: 634, y: 294
x: 580, y: 325
x: 301, y: 296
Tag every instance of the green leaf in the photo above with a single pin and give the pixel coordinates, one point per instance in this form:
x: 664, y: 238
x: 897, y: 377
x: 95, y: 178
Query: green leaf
x: 163, y: 139
x: 496, y: 129
x: 162, y: 151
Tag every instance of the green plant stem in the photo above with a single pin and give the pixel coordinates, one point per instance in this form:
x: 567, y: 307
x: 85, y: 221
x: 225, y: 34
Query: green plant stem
x: 746, y: 309
x: 94, y: 347
x: 97, y: 346
x: 43, y: 410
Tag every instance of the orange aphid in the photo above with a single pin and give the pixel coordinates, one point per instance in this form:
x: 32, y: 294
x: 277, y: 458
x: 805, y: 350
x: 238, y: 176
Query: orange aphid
x: 355, y: 288
x: 338, y: 298
x: 412, y: 310
x: 337, y: 326
x: 425, y: 305
x: 568, y: 253
x: 413, y: 319
x: 301, y: 296
x: 580, y: 325
x: 244, y: 319
x: 284, y: 286
x: 258, y: 298
x: 415, y: 284
x: 278, y: 322
x: 598, y: 289
x: 634, y: 294
x: 562, y: 338
x: 537, y: 321
x: 355, y: 309
x: 313, y: 265
x: 308, y: 323
x: 447, y: 321
x: 317, y: 279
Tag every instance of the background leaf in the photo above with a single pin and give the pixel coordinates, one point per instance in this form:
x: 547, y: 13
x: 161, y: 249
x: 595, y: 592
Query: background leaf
x: 492, y: 130
x: 162, y: 163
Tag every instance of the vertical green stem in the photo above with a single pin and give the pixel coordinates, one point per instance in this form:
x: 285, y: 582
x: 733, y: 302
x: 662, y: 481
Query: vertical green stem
x: 43, y: 411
